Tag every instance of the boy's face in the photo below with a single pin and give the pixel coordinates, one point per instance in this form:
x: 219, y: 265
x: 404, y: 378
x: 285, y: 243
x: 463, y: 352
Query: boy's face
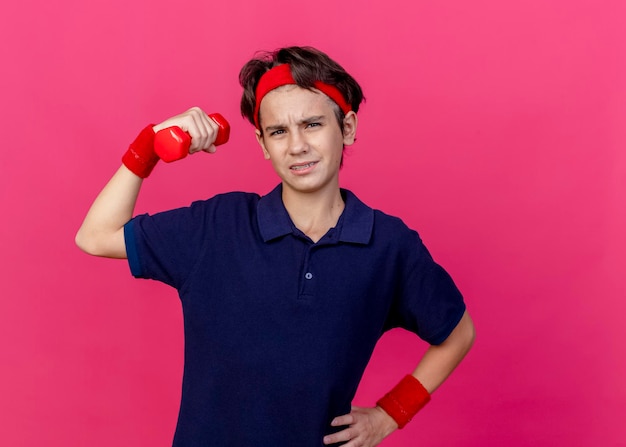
x: 302, y: 138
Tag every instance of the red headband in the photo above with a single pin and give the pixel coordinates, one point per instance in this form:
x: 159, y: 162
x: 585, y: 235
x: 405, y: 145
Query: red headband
x: 281, y: 75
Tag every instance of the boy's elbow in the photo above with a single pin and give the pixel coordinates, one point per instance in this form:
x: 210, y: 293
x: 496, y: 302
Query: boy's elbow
x: 464, y: 334
x: 471, y: 338
x: 85, y: 243
x: 469, y: 332
x: 103, y: 245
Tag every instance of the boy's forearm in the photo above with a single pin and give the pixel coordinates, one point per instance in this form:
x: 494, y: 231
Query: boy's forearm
x: 102, y: 231
x: 439, y: 361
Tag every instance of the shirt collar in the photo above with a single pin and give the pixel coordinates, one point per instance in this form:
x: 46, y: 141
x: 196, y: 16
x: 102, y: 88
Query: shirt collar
x: 356, y: 222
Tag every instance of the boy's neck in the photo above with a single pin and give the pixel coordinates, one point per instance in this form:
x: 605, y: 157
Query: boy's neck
x: 314, y: 213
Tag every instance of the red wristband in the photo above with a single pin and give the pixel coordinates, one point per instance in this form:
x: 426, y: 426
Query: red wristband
x: 405, y: 400
x: 140, y: 157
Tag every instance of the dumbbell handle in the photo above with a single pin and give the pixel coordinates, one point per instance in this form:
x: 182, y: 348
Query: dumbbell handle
x: 173, y: 143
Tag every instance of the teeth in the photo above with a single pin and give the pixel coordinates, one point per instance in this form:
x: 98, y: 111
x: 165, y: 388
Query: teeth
x: 298, y: 168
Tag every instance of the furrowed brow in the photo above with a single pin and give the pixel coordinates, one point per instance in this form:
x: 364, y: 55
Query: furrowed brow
x: 312, y: 119
x: 304, y: 121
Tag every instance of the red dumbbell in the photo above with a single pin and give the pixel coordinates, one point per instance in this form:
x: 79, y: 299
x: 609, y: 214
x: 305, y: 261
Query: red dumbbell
x: 173, y: 143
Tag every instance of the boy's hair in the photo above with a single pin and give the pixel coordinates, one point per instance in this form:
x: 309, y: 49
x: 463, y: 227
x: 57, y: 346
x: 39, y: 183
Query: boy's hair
x: 307, y: 65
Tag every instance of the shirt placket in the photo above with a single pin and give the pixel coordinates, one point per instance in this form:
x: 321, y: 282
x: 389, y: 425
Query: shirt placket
x: 308, y: 278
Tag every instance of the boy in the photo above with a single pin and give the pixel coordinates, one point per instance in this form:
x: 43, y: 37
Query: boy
x: 285, y: 296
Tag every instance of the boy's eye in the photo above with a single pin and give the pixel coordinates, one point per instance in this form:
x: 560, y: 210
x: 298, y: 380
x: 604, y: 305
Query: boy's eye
x: 277, y: 132
x: 313, y: 124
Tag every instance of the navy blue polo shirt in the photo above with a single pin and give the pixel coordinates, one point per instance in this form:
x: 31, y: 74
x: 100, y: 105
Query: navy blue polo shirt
x: 278, y: 329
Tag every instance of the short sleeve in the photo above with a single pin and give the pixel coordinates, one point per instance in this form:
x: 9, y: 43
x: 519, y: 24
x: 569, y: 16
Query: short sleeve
x: 428, y: 303
x: 165, y: 246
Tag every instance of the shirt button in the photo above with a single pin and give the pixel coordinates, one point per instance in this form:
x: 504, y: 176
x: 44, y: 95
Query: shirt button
x: 308, y: 275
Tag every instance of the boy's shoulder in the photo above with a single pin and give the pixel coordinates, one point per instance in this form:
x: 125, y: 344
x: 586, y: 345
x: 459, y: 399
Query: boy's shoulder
x: 385, y: 225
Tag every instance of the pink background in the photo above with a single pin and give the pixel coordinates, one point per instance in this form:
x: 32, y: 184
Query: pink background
x: 497, y: 129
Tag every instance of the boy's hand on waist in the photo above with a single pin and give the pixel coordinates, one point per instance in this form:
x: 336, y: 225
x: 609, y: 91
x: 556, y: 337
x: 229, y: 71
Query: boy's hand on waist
x: 367, y: 427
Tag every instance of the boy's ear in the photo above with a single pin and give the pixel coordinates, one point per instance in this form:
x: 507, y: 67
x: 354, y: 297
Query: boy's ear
x: 350, y: 124
x: 261, y: 141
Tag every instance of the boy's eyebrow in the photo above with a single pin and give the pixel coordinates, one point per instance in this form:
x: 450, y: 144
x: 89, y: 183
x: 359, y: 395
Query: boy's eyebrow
x: 307, y: 120
x: 312, y: 119
x: 274, y: 127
